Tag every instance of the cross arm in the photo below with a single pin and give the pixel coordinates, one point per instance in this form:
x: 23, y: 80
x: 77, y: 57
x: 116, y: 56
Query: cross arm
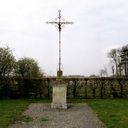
x: 66, y: 22
x: 52, y: 22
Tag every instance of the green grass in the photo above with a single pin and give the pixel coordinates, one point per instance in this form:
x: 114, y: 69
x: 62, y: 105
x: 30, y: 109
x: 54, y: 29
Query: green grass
x: 25, y: 118
x: 10, y: 110
x: 113, y: 112
x: 44, y: 119
x: 77, y: 100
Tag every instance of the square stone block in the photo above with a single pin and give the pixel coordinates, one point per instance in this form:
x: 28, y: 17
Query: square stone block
x: 59, y: 99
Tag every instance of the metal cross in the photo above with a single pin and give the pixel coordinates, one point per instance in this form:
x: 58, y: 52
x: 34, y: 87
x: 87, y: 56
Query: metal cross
x: 59, y: 22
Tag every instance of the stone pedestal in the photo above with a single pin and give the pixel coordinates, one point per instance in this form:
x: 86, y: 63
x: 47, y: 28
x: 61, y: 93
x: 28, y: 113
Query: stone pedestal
x: 59, y: 74
x: 59, y: 96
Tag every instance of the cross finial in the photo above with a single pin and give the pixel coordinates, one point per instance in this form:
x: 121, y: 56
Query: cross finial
x: 59, y: 11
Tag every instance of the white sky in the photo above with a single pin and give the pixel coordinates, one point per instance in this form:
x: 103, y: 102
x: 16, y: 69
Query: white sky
x: 99, y: 25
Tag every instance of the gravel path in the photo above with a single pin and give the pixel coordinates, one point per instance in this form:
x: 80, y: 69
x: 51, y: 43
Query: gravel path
x: 42, y: 116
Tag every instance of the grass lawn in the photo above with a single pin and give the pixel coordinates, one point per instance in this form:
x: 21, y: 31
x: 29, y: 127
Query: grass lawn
x: 11, y: 109
x: 113, y: 112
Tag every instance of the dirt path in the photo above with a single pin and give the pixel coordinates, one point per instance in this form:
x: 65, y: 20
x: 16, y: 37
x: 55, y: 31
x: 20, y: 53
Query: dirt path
x: 42, y: 116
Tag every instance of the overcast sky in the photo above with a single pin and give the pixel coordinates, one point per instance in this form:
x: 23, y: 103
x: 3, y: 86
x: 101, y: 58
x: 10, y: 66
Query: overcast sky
x: 99, y: 25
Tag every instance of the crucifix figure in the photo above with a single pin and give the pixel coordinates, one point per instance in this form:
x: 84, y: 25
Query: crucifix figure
x: 59, y: 22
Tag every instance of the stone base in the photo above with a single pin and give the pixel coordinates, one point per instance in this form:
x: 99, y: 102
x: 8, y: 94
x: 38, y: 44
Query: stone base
x: 59, y: 96
x: 59, y: 74
x: 59, y: 105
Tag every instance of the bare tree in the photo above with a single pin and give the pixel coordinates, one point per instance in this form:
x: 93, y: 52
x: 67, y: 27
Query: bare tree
x: 124, y: 60
x: 114, y: 55
x: 103, y: 72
